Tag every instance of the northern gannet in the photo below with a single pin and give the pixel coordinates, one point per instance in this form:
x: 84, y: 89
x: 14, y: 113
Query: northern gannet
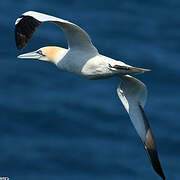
x: 83, y: 59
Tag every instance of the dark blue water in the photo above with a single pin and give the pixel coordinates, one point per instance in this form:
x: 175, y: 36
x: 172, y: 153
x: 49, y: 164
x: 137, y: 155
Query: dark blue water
x: 54, y: 125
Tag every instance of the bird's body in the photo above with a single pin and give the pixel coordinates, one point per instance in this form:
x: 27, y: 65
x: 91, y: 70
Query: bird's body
x: 92, y: 66
x: 83, y: 59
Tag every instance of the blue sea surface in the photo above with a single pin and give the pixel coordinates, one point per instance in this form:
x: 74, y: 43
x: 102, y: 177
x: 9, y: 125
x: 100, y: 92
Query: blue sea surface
x: 57, y: 126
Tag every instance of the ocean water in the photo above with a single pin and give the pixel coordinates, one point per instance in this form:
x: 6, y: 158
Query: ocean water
x: 55, y: 125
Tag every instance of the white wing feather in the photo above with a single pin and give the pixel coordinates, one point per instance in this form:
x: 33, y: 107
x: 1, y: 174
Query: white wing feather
x: 131, y: 91
x: 133, y: 94
x: 76, y: 37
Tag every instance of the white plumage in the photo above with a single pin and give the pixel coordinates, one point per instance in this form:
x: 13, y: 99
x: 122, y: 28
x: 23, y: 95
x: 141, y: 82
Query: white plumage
x: 83, y: 59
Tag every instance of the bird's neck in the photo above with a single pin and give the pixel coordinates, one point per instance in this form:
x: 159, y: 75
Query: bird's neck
x: 59, y: 55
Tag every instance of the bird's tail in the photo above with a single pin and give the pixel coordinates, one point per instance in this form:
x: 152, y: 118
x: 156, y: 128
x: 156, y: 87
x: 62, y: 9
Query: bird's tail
x: 128, y: 69
x: 137, y: 70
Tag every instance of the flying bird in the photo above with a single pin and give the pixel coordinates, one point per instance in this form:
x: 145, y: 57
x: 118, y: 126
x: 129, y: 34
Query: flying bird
x: 83, y: 59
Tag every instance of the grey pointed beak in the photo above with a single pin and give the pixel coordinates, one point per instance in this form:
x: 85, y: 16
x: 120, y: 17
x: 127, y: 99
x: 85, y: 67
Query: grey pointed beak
x: 30, y: 55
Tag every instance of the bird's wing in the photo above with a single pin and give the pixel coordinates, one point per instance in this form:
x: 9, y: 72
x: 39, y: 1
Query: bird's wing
x: 133, y: 93
x: 28, y: 22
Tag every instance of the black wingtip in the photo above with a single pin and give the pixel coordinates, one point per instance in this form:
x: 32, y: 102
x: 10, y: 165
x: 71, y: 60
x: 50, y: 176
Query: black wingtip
x: 150, y: 147
x: 153, y: 155
x: 24, y: 30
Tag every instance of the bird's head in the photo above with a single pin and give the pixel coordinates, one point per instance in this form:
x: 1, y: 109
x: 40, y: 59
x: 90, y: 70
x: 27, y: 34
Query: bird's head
x: 49, y: 53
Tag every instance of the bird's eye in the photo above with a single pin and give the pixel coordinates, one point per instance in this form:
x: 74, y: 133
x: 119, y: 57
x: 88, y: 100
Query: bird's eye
x: 40, y: 53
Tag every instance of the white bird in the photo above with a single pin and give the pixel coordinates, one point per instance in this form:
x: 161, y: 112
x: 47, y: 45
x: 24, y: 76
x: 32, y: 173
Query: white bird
x: 83, y: 59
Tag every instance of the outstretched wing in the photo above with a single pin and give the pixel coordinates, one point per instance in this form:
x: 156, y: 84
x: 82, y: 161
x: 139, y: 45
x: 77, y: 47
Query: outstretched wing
x: 133, y: 93
x: 26, y: 25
